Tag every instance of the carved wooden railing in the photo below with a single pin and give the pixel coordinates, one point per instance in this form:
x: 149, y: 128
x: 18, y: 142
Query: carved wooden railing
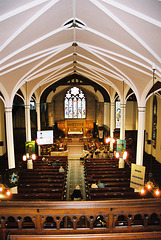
x: 84, y: 217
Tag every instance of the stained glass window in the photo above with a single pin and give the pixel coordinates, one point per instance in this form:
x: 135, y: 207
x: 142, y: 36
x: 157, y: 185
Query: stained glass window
x: 75, y: 103
x: 118, y: 114
x: 70, y: 108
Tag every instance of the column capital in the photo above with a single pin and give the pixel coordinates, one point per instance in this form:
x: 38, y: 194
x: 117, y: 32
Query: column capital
x: 123, y: 105
x: 8, y: 109
x: 141, y: 109
x: 27, y: 106
x: 112, y: 104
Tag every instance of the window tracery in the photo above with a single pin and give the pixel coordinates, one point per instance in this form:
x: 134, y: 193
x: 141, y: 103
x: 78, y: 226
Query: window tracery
x: 75, y: 103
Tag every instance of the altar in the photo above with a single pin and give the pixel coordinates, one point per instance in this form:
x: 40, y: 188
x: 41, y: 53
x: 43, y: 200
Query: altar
x: 76, y: 127
x: 76, y: 132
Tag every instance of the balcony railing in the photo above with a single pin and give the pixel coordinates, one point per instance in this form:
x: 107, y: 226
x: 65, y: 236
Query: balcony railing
x: 84, y: 217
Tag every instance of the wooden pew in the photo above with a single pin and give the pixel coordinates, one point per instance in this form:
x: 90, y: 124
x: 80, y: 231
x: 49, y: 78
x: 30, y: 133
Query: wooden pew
x: 43, y: 185
x: 101, y: 170
x: 38, y: 196
x: 110, y: 189
x: 46, y: 165
x: 42, y: 181
x: 114, y: 195
x: 106, y: 180
x: 109, y: 177
x: 51, y: 176
x: 40, y: 171
x: 113, y: 184
x: 41, y: 190
x: 98, y: 167
x: 107, y: 173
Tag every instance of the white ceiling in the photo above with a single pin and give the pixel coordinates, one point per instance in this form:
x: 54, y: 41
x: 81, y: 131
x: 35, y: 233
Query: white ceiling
x: 117, y: 40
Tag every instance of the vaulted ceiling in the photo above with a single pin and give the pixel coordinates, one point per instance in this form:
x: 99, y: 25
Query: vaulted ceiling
x: 106, y: 41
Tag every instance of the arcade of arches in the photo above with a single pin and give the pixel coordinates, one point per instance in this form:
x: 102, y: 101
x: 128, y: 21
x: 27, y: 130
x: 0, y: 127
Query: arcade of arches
x: 50, y: 113
x: 78, y: 136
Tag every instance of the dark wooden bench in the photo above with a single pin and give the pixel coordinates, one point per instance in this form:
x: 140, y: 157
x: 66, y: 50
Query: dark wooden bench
x: 106, y: 180
x: 108, y: 176
x: 111, y: 189
x: 113, y: 184
x: 100, y: 159
x: 38, y: 196
x: 41, y: 190
x: 94, y: 173
x: 43, y: 185
x: 101, y: 167
x: 48, y: 165
x: 114, y: 195
x: 42, y: 180
x: 40, y: 171
x: 52, y: 175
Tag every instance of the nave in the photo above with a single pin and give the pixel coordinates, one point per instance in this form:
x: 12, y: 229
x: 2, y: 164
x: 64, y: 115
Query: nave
x: 44, y: 182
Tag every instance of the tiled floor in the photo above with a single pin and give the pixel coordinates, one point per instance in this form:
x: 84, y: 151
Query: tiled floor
x: 75, y: 177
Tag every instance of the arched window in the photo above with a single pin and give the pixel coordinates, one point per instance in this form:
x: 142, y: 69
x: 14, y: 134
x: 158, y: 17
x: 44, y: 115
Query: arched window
x: 75, y: 103
x: 117, y: 113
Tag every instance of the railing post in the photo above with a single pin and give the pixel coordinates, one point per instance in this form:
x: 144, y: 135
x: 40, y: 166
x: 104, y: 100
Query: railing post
x: 38, y: 223
x: 110, y: 222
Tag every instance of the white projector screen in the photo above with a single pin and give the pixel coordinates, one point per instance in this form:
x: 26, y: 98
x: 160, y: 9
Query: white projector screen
x: 44, y: 137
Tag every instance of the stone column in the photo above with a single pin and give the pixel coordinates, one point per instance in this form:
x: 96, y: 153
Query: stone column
x: 122, y: 133
x: 140, y: 136
x: 10, y: 140
x: 105, y: 113
x: 38, y: 116
x: 27, y: 123
x: 50, y: 114
x: 122, y: 129
x: 38, y: 123
x: 112, y: 124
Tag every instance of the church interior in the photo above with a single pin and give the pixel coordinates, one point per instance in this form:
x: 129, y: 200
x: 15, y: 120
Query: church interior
x: 80, y: 119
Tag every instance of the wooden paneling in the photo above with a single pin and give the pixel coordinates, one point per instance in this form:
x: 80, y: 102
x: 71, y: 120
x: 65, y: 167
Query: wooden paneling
x: 115, y: 236
x: 120, y: 219
x: 75, y: 125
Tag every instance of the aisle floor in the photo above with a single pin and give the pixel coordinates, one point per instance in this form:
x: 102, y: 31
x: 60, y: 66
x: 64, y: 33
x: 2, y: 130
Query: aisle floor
x: 75, y: 177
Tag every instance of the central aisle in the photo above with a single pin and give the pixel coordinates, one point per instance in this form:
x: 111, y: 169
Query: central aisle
x: 75, y: 177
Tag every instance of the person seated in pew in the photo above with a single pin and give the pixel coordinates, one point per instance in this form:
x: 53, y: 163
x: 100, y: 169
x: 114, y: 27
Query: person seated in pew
x: 49, y: 163
x: 94, y: 185
x: 77, y: 195
x: 54, y: 164
x: 61, y: 169
x: 100, y: 184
